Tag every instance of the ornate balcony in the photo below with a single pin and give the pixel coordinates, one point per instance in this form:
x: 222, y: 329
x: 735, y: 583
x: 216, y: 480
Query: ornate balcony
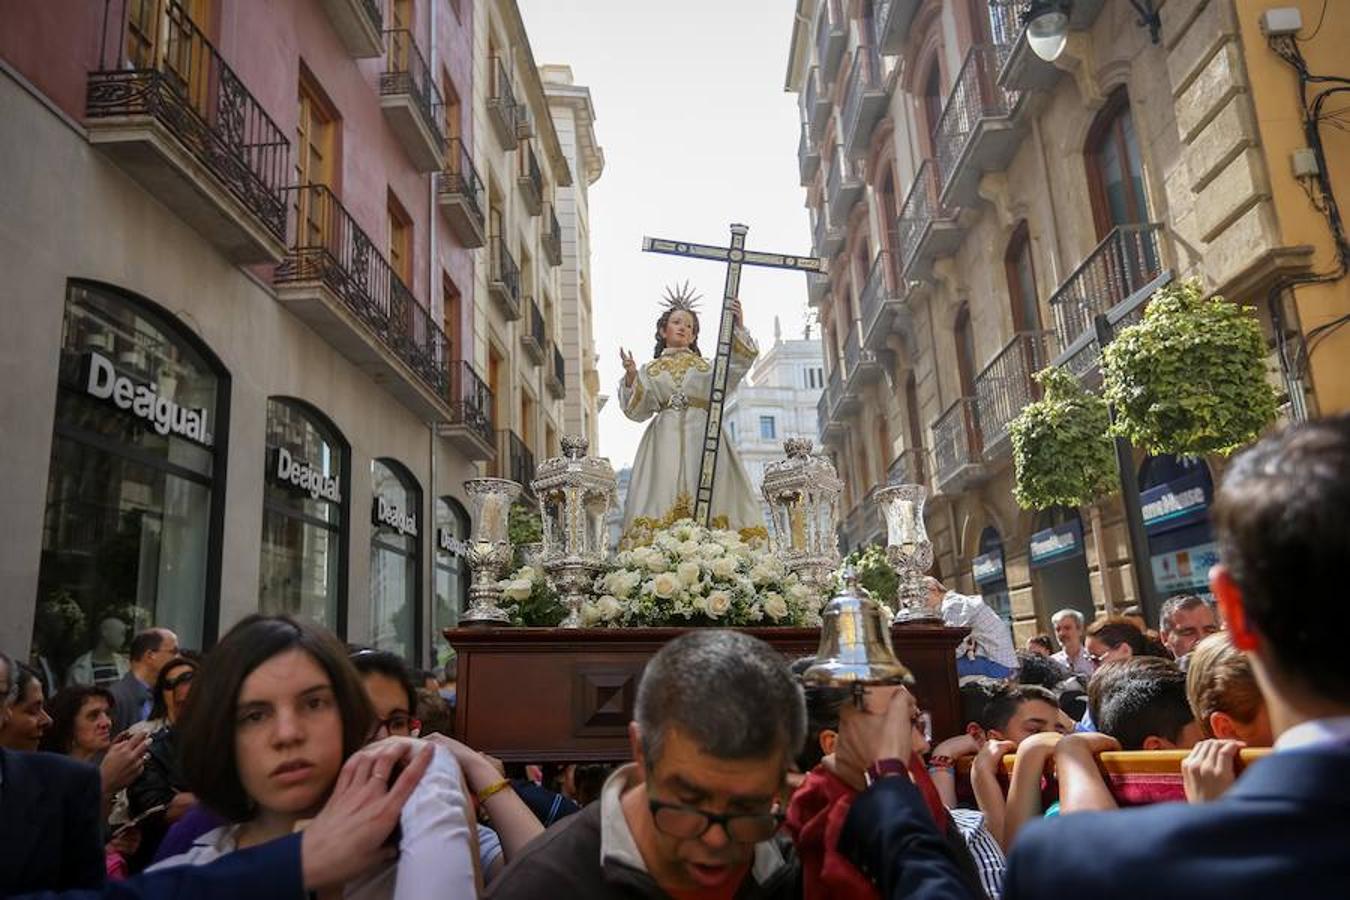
x: 831, y: 426
x: 533, y: 338
x: 808, y: 156
x: 556, y: 378
x: 459, y: 191
x: 861, y: 367
x: 470, y: 427
x: 831, y: 38
x: 1021, y: 68
x: 956, y: 448
x: 1005, y: 387
x: 927, y: 229
x: 530, y: 180
x: 817, y: 105
x: 1122, y: 271
x: 883, y: 305
x: 890, y: 22
x: 515, y: 460
x: 829, y: 238
x: 337, y: 282
x: 844, y: 187
x: 908, y: 468
x: 864, y: 101
x: 503, y: 112
x: 179, y: 121
x: 551, y: 239
x: 411, y: 102
x: 503, y: 279
x: 980, y: 129
x: 817, y: 288
x: 358, y: 24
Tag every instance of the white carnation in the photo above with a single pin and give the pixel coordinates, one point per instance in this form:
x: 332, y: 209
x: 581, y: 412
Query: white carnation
x: 700, y: 603
x: 719, y: 604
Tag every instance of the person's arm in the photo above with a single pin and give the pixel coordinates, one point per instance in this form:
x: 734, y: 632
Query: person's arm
x: 1081, y: 788
x: 511, y: 818
x: 1210, y: 769
x: 1024, y: 795
x: 988, y: 790
x: 438, y: 850
x: 635, y: 396
x: 943, y: 775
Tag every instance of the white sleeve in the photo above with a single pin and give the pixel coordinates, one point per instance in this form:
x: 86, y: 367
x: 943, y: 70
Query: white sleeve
x: 435, y: 857
x: 957, y: 610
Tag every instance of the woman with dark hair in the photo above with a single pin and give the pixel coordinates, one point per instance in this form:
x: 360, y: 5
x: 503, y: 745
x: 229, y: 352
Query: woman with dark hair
x: 1114, y: 639
x: 162, y: 785
x: 673, y: 391
x: 276, y: 711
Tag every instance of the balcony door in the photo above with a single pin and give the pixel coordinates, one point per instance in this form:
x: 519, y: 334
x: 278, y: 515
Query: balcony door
x: 1021, y: 275
x: 1115, y: 168
x: 914, y: 424
x: 315, y: 162
x: 964, y: 336
x: 400, y: 19
x: 170, y: 36
x: 450, y: 314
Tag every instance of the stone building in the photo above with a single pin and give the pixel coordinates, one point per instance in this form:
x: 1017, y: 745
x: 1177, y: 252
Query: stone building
x: 980, y: 207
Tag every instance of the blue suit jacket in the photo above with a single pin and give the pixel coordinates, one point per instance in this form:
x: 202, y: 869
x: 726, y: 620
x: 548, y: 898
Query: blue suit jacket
x: 51, y: 833
x: 269, y: 872
x: 1283, y: 831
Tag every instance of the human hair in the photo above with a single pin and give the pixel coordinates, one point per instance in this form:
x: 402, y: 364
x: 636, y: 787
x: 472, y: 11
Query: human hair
x: 731, y: 693
x: 64, y: 708
x: 1116, y: 630
x: 822, y: 713
x: 208, y: 724
x: 21, y: 675
x: 390, y: 665
x: 1174, y: 605
x: 1219, y: 679
x: 1137, y: 698
x: 661, y: 327
x: 1041, y: 671
x: 1043, y: 641
x: 147, y: 641
x: 588, y: 779
x: 1003, y: 699
x: 1061, y: 615
x: 433, y: 711
x: 159, y: 709
x: 10, y: 694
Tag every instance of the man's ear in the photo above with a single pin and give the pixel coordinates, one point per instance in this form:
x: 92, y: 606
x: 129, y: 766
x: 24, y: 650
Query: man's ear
x: 827, y: 738
x: 1229, y: 597
x: 635, y: 747
x: 1222, y: 726
x: 974, y: 730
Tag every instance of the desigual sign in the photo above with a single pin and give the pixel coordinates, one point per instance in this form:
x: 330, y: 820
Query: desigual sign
x: 102, y: 382
x: 448, y: 543
x: 389, y: 515
x: 299, y: 474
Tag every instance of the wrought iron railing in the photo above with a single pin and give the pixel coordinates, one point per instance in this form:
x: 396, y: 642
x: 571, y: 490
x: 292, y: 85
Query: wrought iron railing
x: 552, y: 236
x: 832, y: 22
x: 834, y: 388
x: 864, y: 76
x: 956, y: 439
x: 817, y: 104
x: 503, y: 270
x: 917, y: 213
x: 975, y: 96
x: 182, y: 82
x: 529, y: 168
x: 881, y: 21
x: 808, y: 155
x: 330, y: 248
x: 406, y: 72
x: 822, y: 415
x: 876, y: 291
x: 371, y: 8
x: 844, y: 173
x: 852, y: 351
x: 1005, y: 26
x: 536, y: 330
x: 515, y: 460
x: 1005, y: 386
x: 559, y: 371
x: 470, y: 400
x: 1125, y: 261
x: 907, y: 468
x: 460, y: 177
x: 502, y: 92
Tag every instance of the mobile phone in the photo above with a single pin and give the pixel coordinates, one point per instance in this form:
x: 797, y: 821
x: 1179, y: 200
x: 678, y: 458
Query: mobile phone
x: 152, y: 811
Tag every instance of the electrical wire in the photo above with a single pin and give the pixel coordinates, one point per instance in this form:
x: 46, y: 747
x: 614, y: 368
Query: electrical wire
x: 1325, y: 4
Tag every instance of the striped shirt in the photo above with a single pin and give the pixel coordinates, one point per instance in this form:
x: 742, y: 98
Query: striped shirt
x: 990, y: 862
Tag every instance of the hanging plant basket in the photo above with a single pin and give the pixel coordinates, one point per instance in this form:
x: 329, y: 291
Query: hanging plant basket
x: 1061, y: 449
x: 1190, y: 378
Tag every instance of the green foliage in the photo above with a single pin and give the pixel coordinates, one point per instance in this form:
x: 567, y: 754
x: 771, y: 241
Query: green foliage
x: 530, y: 599
x: 1062, y: 454
x: 875, y: 573
x: 525, y: 525
x: 1190, y: 378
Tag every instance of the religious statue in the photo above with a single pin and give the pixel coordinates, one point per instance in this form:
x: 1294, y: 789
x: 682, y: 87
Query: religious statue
x: 673, y: 390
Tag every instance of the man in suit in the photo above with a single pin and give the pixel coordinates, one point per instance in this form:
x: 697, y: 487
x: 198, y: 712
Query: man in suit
x: 150, y: 651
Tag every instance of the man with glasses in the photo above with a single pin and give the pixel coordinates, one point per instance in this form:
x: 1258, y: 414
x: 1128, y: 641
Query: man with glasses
x: 717, y: 722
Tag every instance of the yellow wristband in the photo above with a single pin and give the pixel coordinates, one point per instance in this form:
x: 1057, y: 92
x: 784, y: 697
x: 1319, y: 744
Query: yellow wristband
x: 492, y: 790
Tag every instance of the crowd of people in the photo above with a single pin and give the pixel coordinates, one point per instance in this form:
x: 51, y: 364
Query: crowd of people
x: 283, y: 761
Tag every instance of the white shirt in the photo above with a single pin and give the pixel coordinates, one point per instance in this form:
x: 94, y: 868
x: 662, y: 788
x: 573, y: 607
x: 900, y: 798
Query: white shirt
x: 434, y: 859
x: 1316, y: 733
x: 1081, y: 664
x: 988, y: 632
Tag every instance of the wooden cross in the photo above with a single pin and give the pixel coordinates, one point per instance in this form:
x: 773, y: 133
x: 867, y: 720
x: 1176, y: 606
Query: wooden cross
x: 734, y: 256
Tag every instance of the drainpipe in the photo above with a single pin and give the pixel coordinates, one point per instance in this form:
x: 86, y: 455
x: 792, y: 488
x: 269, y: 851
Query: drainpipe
x: 1056, y: 252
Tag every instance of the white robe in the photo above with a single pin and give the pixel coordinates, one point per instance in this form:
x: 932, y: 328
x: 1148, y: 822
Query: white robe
x: 675, y: 389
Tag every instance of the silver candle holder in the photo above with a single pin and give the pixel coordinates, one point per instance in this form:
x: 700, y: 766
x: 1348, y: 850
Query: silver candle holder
x: 576, y: 492
x: 489, y: 553
x: 803, y: 491
x: 908, y: 548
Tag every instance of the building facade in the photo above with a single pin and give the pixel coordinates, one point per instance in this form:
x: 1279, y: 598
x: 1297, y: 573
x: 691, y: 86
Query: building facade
x: 776, y: 401
x: 980, y: 207
x: 252, y: 355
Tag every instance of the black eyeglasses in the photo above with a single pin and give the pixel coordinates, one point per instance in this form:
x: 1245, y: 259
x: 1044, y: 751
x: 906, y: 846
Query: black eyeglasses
x: 398, y: 725
x: 180, y: 680
x: 688, y: 822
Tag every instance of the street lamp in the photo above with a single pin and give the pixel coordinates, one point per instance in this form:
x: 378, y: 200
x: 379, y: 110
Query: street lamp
x: 1047, y: 24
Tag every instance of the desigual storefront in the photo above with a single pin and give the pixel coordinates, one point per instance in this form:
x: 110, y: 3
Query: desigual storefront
x: 141, y: 517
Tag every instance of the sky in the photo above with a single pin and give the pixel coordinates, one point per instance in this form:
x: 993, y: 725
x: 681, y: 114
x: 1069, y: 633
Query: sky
x: 698, y: 133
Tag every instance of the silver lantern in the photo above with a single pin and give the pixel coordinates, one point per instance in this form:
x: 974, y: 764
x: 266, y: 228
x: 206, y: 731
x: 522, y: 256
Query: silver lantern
x: 489, y: 554
x: 803, y: 496
x: 907, y: 546
x: 576, y: 492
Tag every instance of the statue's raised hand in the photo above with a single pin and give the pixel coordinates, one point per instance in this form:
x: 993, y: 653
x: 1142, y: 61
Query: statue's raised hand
x: 629, y: 367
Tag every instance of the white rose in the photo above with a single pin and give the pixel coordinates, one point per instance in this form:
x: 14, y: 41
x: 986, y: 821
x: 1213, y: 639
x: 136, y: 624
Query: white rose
x: 688, y: 573
x: 665, y: 584
x: 590, y: 613
x: 608, y: 608
x: 724, y: 566
x: 527, y: 572
x: 519, y: 588
x: 799, y: 592
x: 709, y: 549
x: 761, y: 574
x: 656, y: 562
x: 719, y: 604
x: 775, y: 607
x: 700, y: 603
x: 688, y: 549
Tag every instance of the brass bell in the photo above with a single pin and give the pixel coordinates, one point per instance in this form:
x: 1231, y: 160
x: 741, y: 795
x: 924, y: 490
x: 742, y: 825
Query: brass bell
x: 855, y: 644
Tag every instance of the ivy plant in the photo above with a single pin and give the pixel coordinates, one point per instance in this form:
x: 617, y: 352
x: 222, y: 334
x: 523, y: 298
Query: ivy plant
x: 1190, y: 378
x: 1061, y: 450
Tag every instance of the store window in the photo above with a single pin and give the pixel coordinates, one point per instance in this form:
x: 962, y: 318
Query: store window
x: 304, y: 530
x: 133, y: 487
x: 452, y: 581
x: 395, y: 586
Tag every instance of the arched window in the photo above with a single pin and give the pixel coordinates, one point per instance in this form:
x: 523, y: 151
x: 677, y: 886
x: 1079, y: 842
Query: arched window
x: 304, y: 529
x: 452, y: 585
x: 915, y: 426
x: 932, y: 104
x: 1115, y: 167
x: 395, y: 542
x: 1021, y: 275
x: 130, y: 532
x: 964, y: 335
